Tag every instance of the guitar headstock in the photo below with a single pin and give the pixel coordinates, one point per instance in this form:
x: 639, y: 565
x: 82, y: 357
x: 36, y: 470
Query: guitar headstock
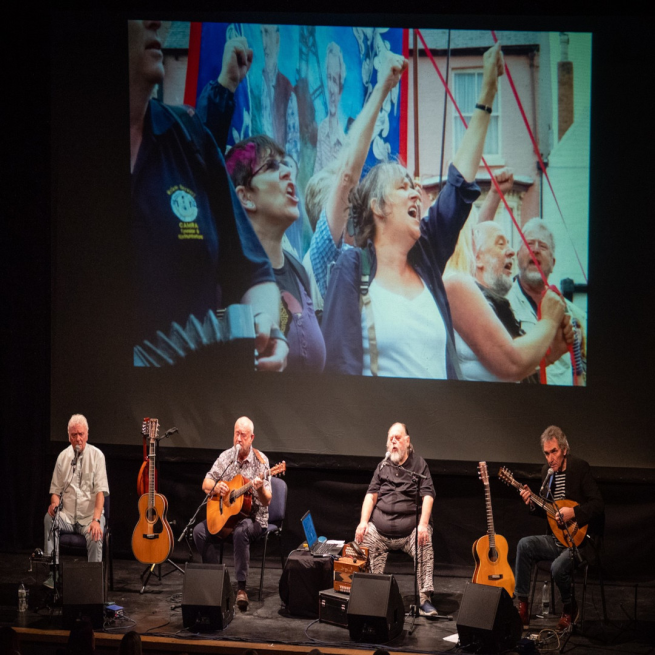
x: 484, y: 474
x: 506, y: 475
x: 144, y: 427
x: 153, y: 429
x: 279, y: 469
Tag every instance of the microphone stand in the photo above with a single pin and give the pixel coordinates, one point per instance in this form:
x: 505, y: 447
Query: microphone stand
x: 576, y: 559
x: 205, y: 500
x: 414, y: 610
x: 55, y: 530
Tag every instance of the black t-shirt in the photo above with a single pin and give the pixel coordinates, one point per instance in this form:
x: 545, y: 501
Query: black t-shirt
x: 394, y: 514
x: 287, y: 281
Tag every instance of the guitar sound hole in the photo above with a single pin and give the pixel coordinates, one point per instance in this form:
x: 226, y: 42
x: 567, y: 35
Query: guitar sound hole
x: 151, y: 515
x: 493, y: 555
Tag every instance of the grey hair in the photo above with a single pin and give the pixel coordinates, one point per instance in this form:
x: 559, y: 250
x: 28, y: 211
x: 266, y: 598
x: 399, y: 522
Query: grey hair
x: 553, y: 432
x: 376, y: 185
x: 543, y: 226
x: 78, y: 419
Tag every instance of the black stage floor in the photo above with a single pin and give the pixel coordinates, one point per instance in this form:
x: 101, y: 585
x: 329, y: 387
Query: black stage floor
x: 157, y: 613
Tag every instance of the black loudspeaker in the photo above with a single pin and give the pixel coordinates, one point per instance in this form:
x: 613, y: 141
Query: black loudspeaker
x: 84, y: 594
x: 376, y: 612
x: 207, y: 597
x: 487, y: 619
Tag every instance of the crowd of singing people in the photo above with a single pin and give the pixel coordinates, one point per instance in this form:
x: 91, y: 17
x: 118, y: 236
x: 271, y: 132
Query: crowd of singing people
x: 391, y: 284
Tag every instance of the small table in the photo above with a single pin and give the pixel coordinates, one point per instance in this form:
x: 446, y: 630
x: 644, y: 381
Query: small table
x: 303, y: 577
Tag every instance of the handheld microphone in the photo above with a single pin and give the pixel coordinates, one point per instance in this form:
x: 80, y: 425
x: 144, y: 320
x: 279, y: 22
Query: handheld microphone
x: 78, y: 450
x: 546, y: 482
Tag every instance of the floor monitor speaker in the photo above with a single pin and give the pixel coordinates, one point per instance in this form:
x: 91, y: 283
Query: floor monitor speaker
x: 207, y: 597
x: 376, y: 612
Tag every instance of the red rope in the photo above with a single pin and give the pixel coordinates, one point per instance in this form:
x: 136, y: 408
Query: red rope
x: 542, y: 364
x: 493, y: 179
x: 535, y: 147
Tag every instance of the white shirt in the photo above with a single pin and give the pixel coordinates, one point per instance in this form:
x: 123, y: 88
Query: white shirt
x: 90, y: 478
x: 410, y: 334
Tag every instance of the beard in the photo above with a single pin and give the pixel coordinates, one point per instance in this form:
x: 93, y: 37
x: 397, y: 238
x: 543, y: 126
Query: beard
x: 497, y: 282
x: 397, y: 457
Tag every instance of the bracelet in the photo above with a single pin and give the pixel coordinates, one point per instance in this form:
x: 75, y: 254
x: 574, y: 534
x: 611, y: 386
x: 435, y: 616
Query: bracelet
x: 95, y: 520
x: 483, y: 107
x: 277, y: 334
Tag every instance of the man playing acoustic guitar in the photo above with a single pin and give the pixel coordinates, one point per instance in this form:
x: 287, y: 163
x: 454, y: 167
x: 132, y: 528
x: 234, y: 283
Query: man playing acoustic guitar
x: 571, y: 480
x: 240, y: 460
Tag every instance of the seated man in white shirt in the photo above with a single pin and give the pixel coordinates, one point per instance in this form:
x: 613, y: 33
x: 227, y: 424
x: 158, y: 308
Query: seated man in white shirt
x: 79, y: 486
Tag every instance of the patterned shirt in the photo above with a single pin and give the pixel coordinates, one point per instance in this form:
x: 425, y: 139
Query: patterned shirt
x: 225, y: 468
x: 323, y: 252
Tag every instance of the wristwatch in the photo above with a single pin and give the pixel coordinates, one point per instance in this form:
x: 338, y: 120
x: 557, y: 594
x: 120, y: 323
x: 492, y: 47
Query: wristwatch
x: 95, y: 520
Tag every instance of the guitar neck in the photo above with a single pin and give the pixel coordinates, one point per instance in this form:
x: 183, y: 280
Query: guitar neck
x: 491, y: 531
x: 546, y: 505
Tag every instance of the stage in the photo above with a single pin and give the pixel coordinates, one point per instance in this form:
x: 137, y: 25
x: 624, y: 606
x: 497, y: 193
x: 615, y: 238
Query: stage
x: 157, y: 616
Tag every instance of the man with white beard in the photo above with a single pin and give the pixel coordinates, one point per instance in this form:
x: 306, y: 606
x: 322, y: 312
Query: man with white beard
x: 388, y: 519
x: 526, y: 292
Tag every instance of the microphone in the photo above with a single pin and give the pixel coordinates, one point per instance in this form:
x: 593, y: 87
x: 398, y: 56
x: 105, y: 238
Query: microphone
x: 170, y: 432
x: 77, y: 455
x: 546, y: 482
x: 237, y: 448
x: 386, y: 458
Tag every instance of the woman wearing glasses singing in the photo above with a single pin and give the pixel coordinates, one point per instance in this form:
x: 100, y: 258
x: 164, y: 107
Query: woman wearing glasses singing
x: 264, y: 179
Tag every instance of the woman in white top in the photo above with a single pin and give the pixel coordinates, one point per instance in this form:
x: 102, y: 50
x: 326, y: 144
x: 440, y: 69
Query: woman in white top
x: 406, y: 329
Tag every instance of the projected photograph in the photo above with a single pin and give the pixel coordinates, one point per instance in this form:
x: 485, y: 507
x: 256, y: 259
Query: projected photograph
x: 368, y: 201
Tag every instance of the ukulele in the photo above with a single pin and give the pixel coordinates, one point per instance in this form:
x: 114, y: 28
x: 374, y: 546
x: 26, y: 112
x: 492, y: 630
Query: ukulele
x: 225, y: 512
x: 490, y: 551
x: 152, y: 539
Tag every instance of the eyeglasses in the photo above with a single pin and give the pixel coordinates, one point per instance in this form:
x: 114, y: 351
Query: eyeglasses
x: 273, y: 164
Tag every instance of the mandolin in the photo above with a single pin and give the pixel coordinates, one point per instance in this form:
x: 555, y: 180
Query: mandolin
x: 225, y: 512
x: 551, y: 508
x: 152, y: 539
x: 490, y: 551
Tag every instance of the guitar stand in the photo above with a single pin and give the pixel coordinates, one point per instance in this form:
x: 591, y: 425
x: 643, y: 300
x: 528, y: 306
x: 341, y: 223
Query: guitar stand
x: 150, y: 569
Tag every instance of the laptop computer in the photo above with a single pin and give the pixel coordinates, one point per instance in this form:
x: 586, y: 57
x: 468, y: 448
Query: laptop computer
x: 327, y: 548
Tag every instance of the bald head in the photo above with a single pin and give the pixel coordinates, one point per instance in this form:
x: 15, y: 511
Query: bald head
x: 244, y: 436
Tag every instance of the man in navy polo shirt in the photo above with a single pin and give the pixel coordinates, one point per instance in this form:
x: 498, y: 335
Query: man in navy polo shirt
x: 196, y: 248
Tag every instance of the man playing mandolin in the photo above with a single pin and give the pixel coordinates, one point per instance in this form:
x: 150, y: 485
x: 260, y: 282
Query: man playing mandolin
x: 571, y: 480
x: 240, y: 460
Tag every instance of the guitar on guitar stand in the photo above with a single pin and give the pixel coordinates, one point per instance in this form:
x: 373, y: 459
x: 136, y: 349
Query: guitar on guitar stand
x: 490, y: 551
x: 152, y: 539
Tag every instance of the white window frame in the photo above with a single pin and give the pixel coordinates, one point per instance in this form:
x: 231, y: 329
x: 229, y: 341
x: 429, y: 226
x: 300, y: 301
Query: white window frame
x: 491, y: 159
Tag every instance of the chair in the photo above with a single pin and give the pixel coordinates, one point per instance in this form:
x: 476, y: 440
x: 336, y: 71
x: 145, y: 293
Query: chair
x: 71, y: 543
x: 276, y: 514
x: 591, y: 559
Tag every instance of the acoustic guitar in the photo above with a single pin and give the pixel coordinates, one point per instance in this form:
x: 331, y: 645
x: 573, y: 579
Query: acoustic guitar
x: 551, y: 508
x: 152, y: 539
x: 490, y: 551
x: 225, y: 512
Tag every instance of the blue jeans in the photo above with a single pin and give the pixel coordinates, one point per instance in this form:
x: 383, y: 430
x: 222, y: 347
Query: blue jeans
x: 543, y: 548
x: 93, y: 548
x: 244, y: 534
